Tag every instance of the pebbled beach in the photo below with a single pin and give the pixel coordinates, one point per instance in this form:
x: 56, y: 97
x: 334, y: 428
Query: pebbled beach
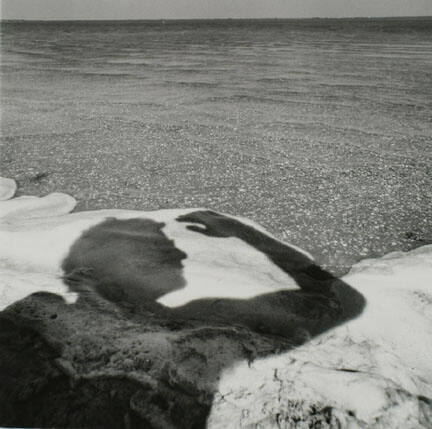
x: 318, y: 129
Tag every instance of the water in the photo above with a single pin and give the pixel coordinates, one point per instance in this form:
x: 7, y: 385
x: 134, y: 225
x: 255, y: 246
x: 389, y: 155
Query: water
x: 319, y: 129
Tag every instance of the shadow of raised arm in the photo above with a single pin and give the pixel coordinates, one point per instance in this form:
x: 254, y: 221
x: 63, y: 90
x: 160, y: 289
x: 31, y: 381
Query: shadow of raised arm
x: 322, y: 302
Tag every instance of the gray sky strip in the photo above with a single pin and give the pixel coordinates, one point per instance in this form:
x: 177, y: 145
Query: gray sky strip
x: 197, y: 9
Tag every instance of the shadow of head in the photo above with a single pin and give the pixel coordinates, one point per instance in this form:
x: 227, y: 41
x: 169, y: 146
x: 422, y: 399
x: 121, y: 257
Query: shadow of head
x: 120, y: 268
x: 128, y: 261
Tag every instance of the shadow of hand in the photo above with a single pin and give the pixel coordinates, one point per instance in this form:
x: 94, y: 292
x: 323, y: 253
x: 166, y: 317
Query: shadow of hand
x: 214, y: 224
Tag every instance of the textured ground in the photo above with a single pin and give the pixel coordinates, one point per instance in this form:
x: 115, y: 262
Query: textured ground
x: 314, y: 352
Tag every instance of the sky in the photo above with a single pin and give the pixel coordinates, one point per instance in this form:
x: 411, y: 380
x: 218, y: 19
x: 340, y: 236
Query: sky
x: 197, y: 9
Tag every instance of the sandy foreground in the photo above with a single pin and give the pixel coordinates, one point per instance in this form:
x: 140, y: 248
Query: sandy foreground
x: 247, y: 346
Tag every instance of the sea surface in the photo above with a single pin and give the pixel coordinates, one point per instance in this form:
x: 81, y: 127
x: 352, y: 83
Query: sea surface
x: 319, y: 129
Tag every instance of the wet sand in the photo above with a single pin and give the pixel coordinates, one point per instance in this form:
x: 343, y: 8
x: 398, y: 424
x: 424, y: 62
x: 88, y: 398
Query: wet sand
x: 320, y: 133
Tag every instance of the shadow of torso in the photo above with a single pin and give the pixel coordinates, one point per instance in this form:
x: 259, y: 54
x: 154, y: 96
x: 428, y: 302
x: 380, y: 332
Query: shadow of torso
x: 121, y: 268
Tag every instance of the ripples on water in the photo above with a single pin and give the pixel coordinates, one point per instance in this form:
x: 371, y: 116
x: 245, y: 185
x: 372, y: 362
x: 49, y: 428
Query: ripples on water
x: 279, y: 62
x: 274, y: 119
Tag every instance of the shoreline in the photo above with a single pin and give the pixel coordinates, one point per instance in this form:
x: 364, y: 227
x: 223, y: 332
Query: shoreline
x: 183, y: 20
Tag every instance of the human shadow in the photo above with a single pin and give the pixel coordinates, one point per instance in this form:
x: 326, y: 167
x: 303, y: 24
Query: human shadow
x: 120, y: 268
x: 130, y: 262
x: 321, y: 302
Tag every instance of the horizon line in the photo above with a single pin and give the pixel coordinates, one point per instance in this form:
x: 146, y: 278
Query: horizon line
x: 214, y: 19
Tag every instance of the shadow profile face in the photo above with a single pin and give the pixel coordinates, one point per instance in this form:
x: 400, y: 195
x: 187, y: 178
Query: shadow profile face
x: 178, y: 353
x: 130, y: 261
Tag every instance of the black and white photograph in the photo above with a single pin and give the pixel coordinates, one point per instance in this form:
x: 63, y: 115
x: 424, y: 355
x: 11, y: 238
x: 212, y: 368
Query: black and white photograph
x: 216, y: 214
